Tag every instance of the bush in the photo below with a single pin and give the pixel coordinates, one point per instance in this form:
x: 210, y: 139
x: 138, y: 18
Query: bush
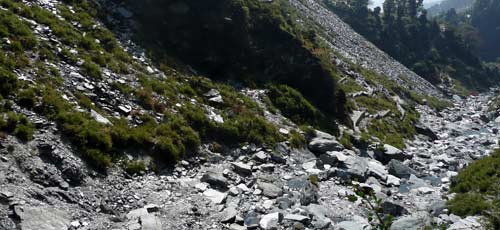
x: 26, y: 98
x: 293, y: 105
x: 345, y: 140
x: 97, y: 158
x: 16, y: 124
x: 91, y: 69
x: 24, y: 132
x: 468, y: 204
x: 297, y: 140
x: 135, y: 167
x: 8, y: 83
x: 477, y: 187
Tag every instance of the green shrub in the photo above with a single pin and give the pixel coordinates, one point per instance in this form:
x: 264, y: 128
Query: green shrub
x: 27, y: 98
x: 97, y: 158
x: 477, y: 187
x: 18, y: 125
x: 8, y: 83
x: 91, y: 69
x: 345, y: 140
x: 24, y: 132
x: 135, y: 167
x: 293, y: 105
x: 297, y: 140
x: 468, y: 204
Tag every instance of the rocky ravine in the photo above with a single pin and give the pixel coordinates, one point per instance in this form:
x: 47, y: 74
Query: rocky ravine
x: 250, y: 187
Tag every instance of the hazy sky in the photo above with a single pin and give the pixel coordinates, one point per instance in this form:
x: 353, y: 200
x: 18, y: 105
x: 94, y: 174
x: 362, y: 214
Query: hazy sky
x: 427, y: 3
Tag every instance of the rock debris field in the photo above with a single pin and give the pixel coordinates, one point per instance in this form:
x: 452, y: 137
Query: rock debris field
x: 44, y: 186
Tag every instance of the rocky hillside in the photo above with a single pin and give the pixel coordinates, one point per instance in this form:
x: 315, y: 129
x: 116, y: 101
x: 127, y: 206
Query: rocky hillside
x: 220, y: 115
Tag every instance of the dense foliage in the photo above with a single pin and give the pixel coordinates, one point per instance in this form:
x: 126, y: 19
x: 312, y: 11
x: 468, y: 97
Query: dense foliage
x: 477, y: 188
x: 403, y: 30
x: 179, y: 101
x: 250, y: 41
x: 479, y: 26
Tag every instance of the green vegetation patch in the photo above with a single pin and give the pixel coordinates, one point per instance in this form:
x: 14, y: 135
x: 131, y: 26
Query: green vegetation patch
x: 477, y: 187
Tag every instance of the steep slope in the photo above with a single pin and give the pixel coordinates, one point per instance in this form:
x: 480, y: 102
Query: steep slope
x: 96, y: 135
x: 436, y: 52
x: 358, y: 50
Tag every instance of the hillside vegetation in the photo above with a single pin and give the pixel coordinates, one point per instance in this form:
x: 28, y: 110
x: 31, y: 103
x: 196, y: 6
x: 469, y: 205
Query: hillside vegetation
x: 402, y: 29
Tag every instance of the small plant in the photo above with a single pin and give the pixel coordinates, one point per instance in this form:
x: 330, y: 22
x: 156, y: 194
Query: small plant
x: 293, y: 105
x: 27, y: 98
x: 91, y: 69
x: 97, y: 158
x: 24, y: 132
x: 345, y: 140
x: 477, y: 188
x: 135, y: 167
x: 374, y: 205
x: 8, y: 82
x: 297, y: 140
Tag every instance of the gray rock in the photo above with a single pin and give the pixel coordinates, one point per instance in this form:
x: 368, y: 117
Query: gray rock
x: 389, y: 154
x: 309, y: 194
x: 333, y: 158
x: 99, y: 118
x: 242, y: 169
x: 237, y: 227
x: 319, y: 213
x: 377, y: 170
x: 229, y: 215
x: 426, y: 131
x: 150, y: 222
x: 260, y: 156
x: 471, y: 222
x: 437, y: 207
x: 416, y: 221
x: 354, y: 168
x: 215, y: 180
x: 284, y: 203
x: 393, y: 209
x: 357, y: 223
x: 398, y: 169
x: 252, y: 220
x: 324, y: 142
x: 297, y: 218
x: 392, y: 181
x: 270, y: 190
x: 35, y: 218
x: 271, y: 221
x: 215, y: 196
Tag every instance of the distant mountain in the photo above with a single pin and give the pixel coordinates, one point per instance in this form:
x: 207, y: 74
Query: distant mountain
x: 444, y: 6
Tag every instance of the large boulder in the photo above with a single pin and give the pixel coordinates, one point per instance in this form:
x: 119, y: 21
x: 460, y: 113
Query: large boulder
x: 416, y: 221
x: 398, y: 169
x: 471, y: 222
x: 242, y: 169
x: 353, y: 167
x: 393, y: 209
x: 270, y: 190
x: 271, y: 221
x: 390, y: 152
x: 215, y: 180
x: 215, y: 196
x: 324, y: 142
x: 356, y: 223
x: 145, y: 218
x: 377, y: 170
x: 35, y: 218
x: 426, y: 131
